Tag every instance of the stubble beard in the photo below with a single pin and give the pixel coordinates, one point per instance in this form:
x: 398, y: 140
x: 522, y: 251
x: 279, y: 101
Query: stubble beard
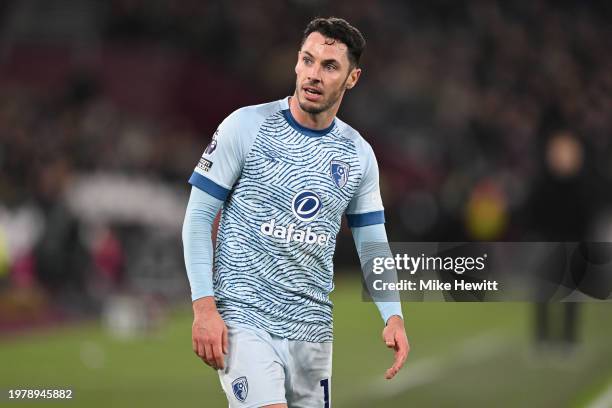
x: 315, y: 110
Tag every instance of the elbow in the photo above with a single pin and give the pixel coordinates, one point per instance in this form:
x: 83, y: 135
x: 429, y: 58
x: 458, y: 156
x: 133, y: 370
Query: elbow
x: 185, y: 229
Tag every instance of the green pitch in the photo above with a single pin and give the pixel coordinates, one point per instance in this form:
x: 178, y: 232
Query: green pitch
x: 463, y: 355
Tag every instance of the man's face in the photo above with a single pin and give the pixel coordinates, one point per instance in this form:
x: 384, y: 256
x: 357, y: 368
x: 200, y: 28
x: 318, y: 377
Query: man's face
x: 323, y: 73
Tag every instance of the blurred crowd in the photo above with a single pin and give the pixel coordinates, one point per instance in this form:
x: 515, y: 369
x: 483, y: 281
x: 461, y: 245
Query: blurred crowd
x: 490, y: 119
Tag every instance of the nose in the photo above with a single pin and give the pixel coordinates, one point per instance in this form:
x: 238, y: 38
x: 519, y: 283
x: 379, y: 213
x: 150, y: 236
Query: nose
x: 314, y: 73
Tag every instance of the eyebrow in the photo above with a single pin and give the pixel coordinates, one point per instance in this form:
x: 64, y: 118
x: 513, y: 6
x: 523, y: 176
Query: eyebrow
x: 326, y: 61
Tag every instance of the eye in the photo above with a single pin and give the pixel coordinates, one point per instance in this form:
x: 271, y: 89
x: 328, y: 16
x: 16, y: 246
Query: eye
x: 330, y: 67
x: 306, y: 60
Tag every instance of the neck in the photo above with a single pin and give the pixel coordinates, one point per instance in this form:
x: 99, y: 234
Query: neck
x: 316, y: 121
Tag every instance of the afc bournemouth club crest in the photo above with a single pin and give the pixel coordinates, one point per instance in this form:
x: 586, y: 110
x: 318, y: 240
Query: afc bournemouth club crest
x: 240, y: 386
x: 339, y: 172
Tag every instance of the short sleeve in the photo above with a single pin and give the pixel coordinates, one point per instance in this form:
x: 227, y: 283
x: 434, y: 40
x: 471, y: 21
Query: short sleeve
x: 365, y: 208
x: 222, y: 161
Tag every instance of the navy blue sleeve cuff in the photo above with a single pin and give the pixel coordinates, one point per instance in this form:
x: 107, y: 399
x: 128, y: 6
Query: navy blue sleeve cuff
x: 365, y: 219
x: 208, y: 186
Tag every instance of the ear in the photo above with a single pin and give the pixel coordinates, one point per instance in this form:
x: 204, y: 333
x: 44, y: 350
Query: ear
x: 353, y: 78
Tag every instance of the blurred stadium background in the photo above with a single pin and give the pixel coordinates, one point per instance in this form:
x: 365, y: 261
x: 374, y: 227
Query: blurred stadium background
x: 491, y: 120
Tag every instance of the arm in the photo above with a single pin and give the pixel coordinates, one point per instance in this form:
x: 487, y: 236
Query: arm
x: 394, y: 334
x: 209, y: 332
x: 202, y: 209
x: 213, y: 178
x: 369, y: 234
x: 365, y: 215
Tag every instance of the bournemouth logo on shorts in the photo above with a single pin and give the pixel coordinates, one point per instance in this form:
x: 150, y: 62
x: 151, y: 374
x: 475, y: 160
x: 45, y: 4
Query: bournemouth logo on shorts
x: 240, y: 386
x: 339, y: 171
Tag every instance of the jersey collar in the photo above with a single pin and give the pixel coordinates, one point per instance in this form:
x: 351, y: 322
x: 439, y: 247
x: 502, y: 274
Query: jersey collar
x: 302, y: 129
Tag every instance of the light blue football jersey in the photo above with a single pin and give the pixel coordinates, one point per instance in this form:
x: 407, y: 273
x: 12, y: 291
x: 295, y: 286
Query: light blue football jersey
x: 285, y: 189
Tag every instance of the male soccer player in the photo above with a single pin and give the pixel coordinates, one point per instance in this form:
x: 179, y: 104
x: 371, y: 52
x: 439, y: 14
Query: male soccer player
x: 285, y: 172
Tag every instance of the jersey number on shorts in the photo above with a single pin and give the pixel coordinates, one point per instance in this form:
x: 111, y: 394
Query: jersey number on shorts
x: 325, y: 384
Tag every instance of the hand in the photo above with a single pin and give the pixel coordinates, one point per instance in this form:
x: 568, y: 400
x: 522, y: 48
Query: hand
x: 394, y: 336
x: 209, y: 333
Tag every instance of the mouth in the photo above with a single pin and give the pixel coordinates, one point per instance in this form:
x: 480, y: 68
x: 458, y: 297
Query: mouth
x: 312, y: 93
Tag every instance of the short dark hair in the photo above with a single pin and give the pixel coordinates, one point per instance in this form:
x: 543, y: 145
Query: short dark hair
x: 338, y: 29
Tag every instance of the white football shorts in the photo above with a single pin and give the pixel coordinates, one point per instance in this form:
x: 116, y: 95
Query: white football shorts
x: 263, y: 369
